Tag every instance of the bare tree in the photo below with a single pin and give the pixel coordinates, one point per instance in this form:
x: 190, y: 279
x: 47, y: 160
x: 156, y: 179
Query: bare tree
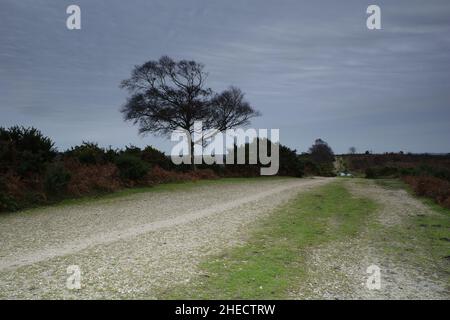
x: 167, y: 95
x: 352, y: 150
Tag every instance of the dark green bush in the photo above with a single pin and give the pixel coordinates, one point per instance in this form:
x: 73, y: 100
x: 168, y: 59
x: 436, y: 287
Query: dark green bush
x: 133, y: 150
x: 131, y: 167
x: 370, y: 173
x: 56, y: 179
x: 326, y: 169
x: 156, y: 158
x: 8, y: 203
x: 290, y: 164
x: 110, y: 155
x: 24, y: 150
x: 88, y: 153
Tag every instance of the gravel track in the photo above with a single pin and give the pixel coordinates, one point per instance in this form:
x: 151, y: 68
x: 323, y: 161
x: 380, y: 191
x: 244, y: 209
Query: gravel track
x: 338, y: 270
x: 134, y: 246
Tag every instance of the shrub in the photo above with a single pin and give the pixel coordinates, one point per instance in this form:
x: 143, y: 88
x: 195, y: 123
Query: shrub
x: 370, y: 173
x: 87, y: 153
x: 7, y: 203
x: 290, y: 164
x: 432, y: 187
x: 156, y: 158
x: 56, y: 179
x: 158, y: 175
x: 131, y: 167
x: 24, y: 150
x: 133, y: 150
x: 17, y: 192
x: 381, y: 172
x: 204, y: 174
x: 326, y: 169
x: 87, y: 179
x: 110, y: 154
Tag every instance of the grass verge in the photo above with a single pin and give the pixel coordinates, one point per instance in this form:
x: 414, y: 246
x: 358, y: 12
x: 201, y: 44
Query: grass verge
x: 164, y: 187
x: 272, y: 261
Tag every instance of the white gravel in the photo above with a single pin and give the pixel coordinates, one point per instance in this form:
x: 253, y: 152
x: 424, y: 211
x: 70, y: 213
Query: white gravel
x: 135, y: 246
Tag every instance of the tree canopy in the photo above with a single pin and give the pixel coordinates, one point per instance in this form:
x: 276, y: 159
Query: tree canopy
x: 321, y: 152
x: 167, y: 95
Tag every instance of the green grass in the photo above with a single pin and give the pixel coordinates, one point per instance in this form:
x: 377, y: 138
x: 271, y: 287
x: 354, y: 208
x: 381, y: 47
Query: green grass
x: 271, y: 262
x: 392, y: 184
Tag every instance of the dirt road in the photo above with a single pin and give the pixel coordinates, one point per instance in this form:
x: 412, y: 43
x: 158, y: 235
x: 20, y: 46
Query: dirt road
x: 135, y: 246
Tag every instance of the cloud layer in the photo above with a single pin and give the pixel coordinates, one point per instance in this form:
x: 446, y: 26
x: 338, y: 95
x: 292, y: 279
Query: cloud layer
x: 311, y: 67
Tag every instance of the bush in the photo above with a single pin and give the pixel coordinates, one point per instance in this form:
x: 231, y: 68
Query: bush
x: 87, y: 179
x: 370, y: 173
x: 204, y: 174
x: 7, y: 203
x: 56, y: 179
x: 290, y: 164
x: 156, y: 158
x: 24, y: 150
x: 133, y: 150
x: 17, y: 192
x: 326, y: 170
x: 87, y: 153
x: 382, y: 172
x: 158, y: 175
x: 432, y: 187
x: 131, y: 167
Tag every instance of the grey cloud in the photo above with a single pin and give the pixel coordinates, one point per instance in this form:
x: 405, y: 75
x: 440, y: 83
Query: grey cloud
x: 311, y: 67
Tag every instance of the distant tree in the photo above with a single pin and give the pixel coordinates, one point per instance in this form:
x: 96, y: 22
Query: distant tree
x: 321, y: 152
x: 352, y: 150
x: 323, y: 157
x: 168, y: 95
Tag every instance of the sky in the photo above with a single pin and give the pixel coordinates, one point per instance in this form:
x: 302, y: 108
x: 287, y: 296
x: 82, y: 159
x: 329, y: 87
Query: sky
x: 312, y: 68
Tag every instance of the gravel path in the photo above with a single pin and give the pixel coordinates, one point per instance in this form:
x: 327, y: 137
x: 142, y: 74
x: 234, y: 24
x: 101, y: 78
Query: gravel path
x: 338, y: 270
x: 135, y: 246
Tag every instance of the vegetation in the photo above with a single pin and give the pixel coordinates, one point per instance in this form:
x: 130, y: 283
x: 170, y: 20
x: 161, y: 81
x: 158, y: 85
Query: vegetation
x: 33, y: 172
x: 168, y: 95
x: 271, y: 262
x: 24, y: 150
x: 319, y: 160
x: 131, y: 167
x: 427, y: 175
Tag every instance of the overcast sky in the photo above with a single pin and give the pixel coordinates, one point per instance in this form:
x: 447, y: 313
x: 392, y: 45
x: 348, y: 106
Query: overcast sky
x: 312, y: 68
